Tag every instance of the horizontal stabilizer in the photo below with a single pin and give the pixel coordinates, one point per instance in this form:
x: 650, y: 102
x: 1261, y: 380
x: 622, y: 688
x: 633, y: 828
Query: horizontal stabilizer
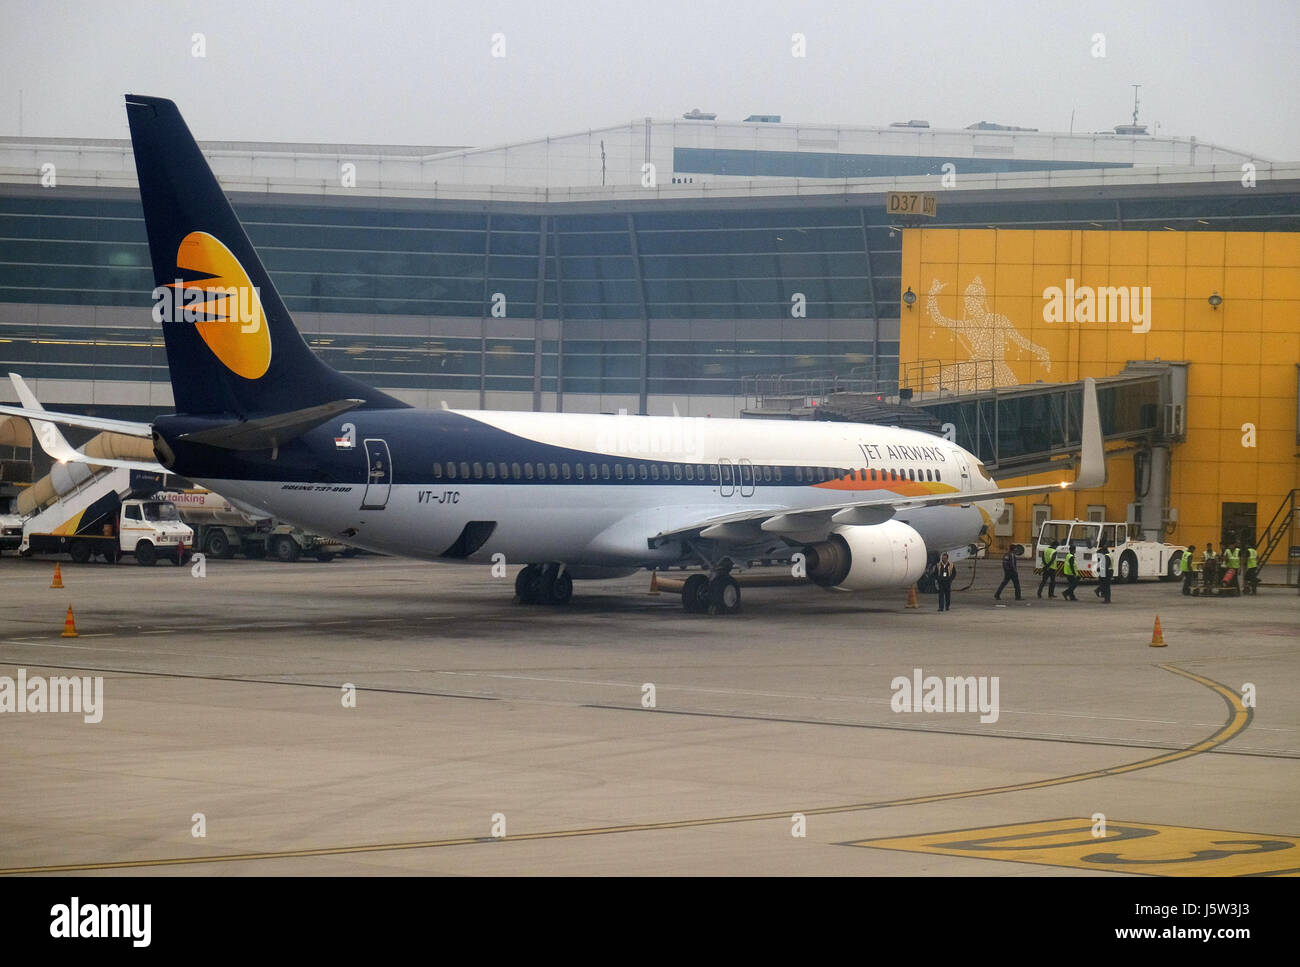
x: 268, y: 432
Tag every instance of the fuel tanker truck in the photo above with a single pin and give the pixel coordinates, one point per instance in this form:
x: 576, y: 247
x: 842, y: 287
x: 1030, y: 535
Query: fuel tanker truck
x: 223, y: 529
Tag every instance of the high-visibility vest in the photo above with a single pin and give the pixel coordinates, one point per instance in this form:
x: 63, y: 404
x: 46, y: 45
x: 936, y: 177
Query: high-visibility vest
x: 1232, y: 557
x: 1209, y: 556
x: 1185, y: 566
x: 1252, y: 559
x: 1048, y: 555
x: 1069, y: 564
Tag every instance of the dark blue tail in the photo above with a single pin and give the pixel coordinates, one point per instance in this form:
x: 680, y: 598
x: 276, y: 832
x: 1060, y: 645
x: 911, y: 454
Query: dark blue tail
x: 232, y: 346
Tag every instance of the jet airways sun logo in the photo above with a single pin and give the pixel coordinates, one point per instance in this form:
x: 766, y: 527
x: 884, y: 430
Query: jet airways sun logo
x: 224, y: 306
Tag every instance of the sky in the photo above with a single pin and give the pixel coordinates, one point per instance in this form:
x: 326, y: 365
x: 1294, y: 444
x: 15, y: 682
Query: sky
x: 423, y: 73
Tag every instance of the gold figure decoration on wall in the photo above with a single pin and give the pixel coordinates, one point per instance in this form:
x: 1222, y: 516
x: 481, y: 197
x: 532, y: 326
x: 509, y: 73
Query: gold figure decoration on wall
x: 984, y: 334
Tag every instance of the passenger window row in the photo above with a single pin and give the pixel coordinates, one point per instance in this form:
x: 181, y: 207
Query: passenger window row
x: 689, y: 472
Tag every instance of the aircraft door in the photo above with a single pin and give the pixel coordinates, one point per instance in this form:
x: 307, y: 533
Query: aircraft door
x: 746, y: 474
x: 726, y: 482
x: 379, y: 475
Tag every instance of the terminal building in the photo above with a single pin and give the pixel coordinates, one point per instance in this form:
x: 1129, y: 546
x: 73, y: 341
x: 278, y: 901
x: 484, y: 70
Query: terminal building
x: 681, y: 263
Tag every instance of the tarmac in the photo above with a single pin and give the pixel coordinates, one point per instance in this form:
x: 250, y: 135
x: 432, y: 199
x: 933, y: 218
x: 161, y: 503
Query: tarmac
x: 380, y: 716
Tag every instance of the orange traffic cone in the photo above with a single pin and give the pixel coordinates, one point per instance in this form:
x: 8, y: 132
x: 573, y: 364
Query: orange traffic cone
x: 654, y: 583
x: 58, y: 578
x: 1157, y: 637
x: 69, y: 626
x: 911, y: 597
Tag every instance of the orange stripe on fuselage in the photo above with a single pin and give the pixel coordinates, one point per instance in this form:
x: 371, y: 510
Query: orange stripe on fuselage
x: 903, y: 488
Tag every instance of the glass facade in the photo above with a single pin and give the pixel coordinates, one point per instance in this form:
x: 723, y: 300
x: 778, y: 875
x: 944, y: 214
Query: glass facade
x: 646, y: 302
x: 833, y: 164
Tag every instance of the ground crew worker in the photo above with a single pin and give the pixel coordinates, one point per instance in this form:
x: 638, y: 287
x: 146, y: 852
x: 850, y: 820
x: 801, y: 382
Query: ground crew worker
x: 1209, y: 566
x: 1049, y: 572
x: 1186, y: 565
x: 944, y: 572
x: 1231, y: 567
x: 1103, y: 574
x: 1251, y: 564
x: 1071, y: 573
x: 1009, y: 573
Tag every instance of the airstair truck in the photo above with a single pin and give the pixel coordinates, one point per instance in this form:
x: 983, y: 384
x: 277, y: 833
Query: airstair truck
x: 88, y: 512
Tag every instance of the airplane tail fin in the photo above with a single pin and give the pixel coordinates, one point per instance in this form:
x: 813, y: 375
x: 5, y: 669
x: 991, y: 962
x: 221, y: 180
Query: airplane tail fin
x: 232, y: 346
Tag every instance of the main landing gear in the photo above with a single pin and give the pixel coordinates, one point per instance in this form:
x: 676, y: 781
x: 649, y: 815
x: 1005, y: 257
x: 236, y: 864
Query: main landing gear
x: 719, y: 594
x: 544, y: 584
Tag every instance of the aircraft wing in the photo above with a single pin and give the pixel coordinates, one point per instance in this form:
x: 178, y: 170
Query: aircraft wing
x: 753, y: 523
x: 53, y: 442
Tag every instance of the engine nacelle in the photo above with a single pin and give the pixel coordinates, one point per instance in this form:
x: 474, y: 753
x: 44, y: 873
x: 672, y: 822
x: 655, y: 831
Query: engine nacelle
x: 855, y: 558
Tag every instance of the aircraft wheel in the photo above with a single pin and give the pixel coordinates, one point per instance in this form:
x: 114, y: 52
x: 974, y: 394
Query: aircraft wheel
x: 724, y: 595
x: 695, y: 594
x: 561, y: 589
x: 528, y: 584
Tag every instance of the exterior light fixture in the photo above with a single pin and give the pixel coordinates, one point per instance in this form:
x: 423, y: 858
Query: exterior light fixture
x: 909, y: 297
x: 1215, y: 300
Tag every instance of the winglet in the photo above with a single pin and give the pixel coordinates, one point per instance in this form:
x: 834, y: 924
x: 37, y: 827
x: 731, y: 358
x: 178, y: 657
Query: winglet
x: 1092, y: 458
x: 52, y: 441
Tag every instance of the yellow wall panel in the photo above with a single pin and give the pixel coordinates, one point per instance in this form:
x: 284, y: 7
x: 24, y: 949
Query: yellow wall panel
x: 1167, y: 249
x: 1239, y: 316
x: 1204, y: 345
x: 1277, y: 283
x: 1276, y: 445
x: 1167, y: 281
x: 1278, y: 380
x: 1015, y: 248
x: 1167, y: 315
x: 1127, y: 248
x: 1242, y: 348
x: 1199, y: 477
x: 1239, y: 404
x: 1282, y: 248
x: 1238, y: 482
x: 1202, y: 282
x: 936, y: 246
x: 1243, y: 248
x: 1015, y: 279
x: 1165, y: 343
x: 1203, y: 379
x: 1205, y: 248
x: 977, y: 245
x: 1053, y: 247
x: 1203, y: 413
x: 1279, y: 413
x: 1242, y: 282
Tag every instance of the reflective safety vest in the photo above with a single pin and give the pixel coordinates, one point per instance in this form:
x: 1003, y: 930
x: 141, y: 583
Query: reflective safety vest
x: 1252, y: 559
x: 1185, y: 566
x: 1048, y: 556
x: 1209, y: 556
x: 1231, y: 556
x: 1069, y: 570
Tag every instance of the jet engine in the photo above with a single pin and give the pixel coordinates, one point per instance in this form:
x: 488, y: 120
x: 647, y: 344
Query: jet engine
x: 856, y: 558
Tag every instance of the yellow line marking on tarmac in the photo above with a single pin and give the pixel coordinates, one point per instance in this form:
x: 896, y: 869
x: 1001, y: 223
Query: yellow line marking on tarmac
x: 1151, y: 849
x: 1239, y: 719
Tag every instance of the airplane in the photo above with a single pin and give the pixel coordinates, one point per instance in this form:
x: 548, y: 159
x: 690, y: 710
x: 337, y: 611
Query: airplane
x: 264, y: 422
